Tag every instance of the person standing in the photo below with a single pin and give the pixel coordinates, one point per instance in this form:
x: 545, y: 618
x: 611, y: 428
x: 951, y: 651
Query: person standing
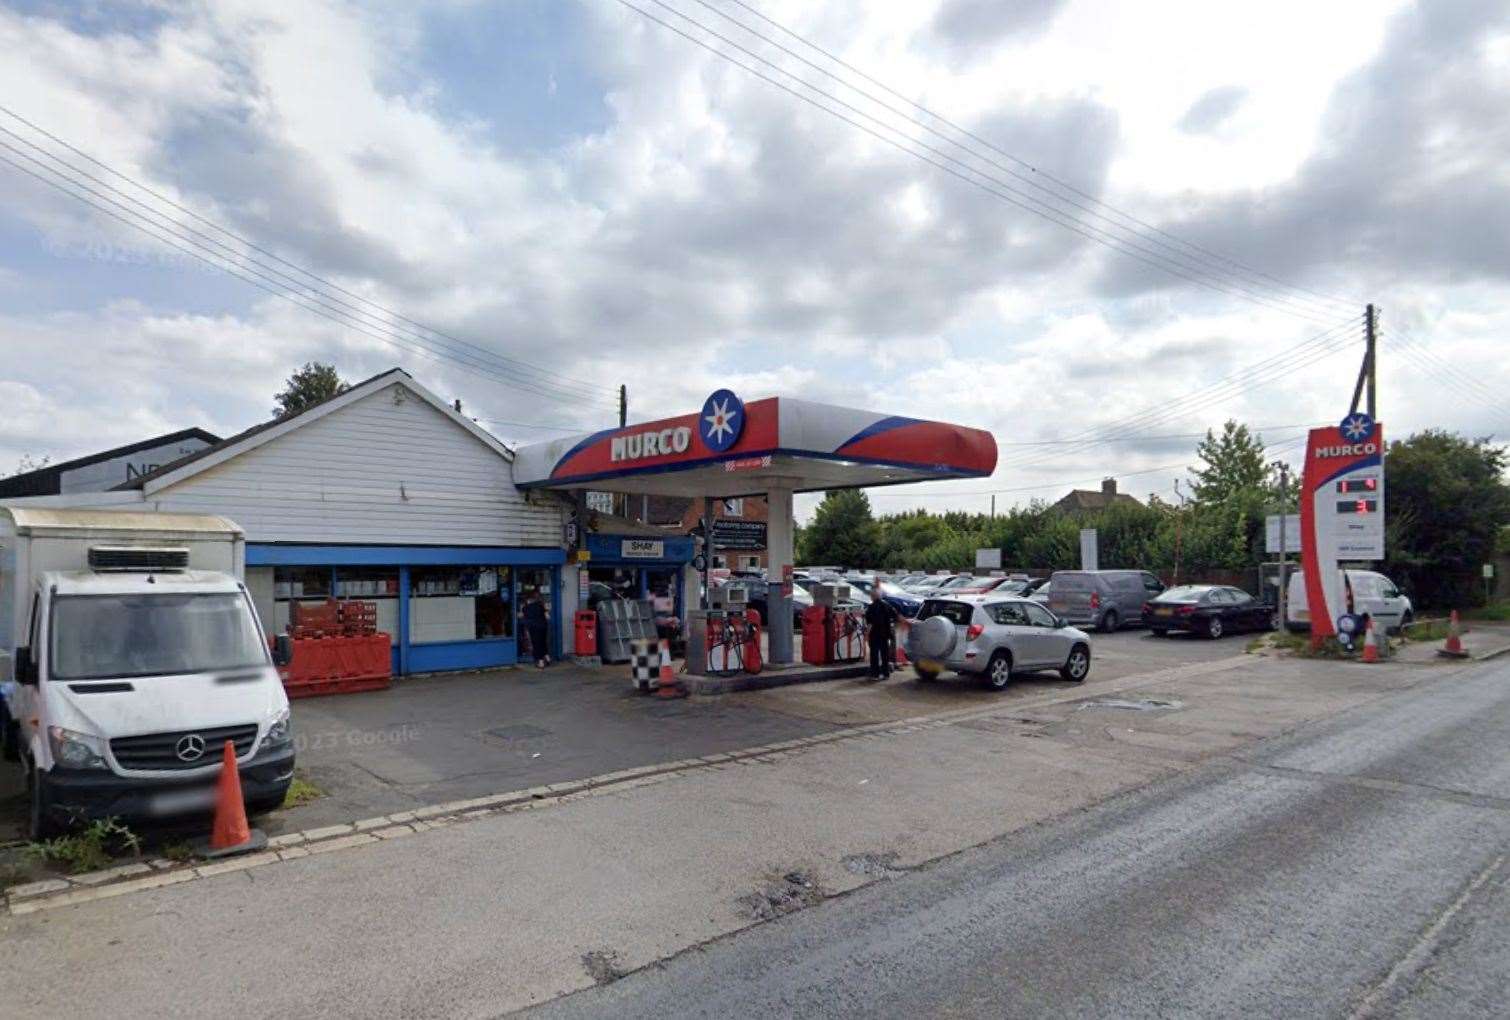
x: 880, y: 632
x: 537, y: 625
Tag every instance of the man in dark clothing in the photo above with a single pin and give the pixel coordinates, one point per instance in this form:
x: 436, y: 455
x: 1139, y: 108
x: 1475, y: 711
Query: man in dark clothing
x: 880, y: 629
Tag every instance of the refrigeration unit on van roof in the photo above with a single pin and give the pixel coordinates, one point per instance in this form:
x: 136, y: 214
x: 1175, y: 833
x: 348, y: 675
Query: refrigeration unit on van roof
x: 138, y: 558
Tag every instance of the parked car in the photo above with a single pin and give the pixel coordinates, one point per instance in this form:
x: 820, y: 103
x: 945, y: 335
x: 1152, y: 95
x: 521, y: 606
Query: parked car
x: 993, y: 637
x: 1023, y: 586
x: 1209, y: 609
x: 1366, y: 591
x: 1105, y: 599
x: 942, y: 583
x: 1040, y: 593
x: 982, y: 585
x: 904, y: 602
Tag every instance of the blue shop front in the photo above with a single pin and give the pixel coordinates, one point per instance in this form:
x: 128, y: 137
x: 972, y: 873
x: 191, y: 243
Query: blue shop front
x: 638, y: 566
x: 446, y: 608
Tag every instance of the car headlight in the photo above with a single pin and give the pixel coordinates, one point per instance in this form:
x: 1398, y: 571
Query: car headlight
x: 76, y: 750
x: 279, y: 732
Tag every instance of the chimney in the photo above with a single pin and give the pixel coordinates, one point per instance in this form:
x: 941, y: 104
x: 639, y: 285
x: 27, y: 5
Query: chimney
x: 1109, y: 488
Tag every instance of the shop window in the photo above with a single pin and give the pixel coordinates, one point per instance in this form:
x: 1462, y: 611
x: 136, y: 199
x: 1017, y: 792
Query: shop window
x: 301, y: 583
x: 367, y: 582
x: 460, y: 603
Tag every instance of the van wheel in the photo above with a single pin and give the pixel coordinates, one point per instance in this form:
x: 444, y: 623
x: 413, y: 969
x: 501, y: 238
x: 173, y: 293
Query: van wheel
x: 10, y: 736
x: 1110, y: 621
x: 1078, y: 666
x: 39, y: 823
x: 999, y: 671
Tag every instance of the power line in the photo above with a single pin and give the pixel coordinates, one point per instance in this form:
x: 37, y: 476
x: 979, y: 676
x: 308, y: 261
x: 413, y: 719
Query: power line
x: 1345, y: 302
x: 1140, y: 229
x: 259, y: 280
x: 1250, y: 377
x: 994, y: 187
x: 538, y: 379
x: 1167, y: 435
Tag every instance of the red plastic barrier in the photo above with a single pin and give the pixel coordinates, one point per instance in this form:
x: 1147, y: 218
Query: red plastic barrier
x: 815, y: 640
x: 338, y: 665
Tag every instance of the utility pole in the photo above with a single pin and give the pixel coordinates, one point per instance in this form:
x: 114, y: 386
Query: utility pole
x: 1371, y: 330
x: 993, y: 506
x: 1179, y: 521
x: 623, y: 405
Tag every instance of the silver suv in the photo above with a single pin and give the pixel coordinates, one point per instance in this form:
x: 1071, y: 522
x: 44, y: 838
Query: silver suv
x: 994, y: 636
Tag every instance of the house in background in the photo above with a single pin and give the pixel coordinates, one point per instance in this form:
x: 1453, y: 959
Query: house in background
x: 1090, y: 499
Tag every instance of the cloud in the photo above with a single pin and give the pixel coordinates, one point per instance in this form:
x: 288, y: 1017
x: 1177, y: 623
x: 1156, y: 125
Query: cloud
x: 970, y: 28
x: 1213, y: 109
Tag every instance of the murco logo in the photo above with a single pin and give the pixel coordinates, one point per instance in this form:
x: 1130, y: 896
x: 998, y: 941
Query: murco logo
x: 722, y: 420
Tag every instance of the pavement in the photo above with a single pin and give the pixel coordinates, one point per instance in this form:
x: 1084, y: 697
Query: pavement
x: 512, y: 909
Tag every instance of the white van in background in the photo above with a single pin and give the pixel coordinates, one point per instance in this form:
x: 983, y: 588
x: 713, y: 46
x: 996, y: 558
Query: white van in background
x: 1366, y: 592
x: 130, y: 653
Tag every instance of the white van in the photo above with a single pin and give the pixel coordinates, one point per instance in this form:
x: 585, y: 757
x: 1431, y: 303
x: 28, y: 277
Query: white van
x: 1365, y: 591
x: 130, y: 653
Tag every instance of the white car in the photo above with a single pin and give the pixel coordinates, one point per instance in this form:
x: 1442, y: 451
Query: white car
x: 1365, y: 591
x: 994, y: 637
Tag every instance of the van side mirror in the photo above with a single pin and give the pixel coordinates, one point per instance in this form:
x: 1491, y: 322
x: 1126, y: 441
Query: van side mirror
x: 283, y: 650
x: 25, y: 667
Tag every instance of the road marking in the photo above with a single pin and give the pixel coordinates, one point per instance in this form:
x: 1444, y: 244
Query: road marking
x: 1425, y: 943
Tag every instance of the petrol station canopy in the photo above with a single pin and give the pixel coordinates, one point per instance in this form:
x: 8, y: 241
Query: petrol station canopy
x: 731, y: 448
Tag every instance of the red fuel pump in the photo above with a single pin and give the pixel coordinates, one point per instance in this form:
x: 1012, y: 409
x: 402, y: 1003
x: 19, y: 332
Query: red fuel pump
x: 753, y: 662
x: 815, y: 641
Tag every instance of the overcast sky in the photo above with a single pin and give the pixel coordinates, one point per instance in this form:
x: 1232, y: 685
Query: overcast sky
x: 569, y: 184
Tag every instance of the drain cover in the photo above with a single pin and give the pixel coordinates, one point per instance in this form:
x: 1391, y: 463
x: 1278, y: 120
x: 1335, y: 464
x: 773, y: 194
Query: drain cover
x: 518, y: 731
x: 1140, y: 705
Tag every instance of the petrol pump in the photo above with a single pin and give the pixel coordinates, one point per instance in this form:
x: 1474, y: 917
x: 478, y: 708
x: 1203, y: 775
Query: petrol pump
x: 731, y: 632
x: 830, y: 632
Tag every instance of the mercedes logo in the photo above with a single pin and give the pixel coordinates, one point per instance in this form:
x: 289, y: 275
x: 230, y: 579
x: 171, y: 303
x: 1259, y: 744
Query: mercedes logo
x: 190, y: 748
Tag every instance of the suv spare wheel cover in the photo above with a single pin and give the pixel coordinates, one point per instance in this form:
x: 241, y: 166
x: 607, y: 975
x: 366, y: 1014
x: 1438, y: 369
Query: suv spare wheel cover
x: 934, y: 637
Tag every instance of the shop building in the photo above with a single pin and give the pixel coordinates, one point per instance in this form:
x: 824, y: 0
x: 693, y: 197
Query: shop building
x: 384, y: 493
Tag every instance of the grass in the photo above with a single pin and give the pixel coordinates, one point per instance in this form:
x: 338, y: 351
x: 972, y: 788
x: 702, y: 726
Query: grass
x: 92, y: 848
x: 180, y: 851
x: 301, y: 791
x: 1495, y: 611
x: 1426, y: 630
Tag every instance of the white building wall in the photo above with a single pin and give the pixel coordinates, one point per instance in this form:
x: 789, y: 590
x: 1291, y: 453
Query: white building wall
x: 381, y: 471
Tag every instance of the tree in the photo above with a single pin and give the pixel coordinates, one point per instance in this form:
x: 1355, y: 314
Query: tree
x: 28, y: 463
x: 1235, y: 466
x: 1446, y: 502
x: 310, y: 385
x: 842, y: 532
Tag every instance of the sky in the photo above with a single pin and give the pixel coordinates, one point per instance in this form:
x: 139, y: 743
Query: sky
x: 526, y: 203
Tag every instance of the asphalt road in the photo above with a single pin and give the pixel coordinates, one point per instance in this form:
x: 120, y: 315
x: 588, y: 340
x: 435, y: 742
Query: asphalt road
x: 1355, y: 868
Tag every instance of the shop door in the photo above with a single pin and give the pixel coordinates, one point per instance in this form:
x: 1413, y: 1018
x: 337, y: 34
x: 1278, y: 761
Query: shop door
x: 537, y: 582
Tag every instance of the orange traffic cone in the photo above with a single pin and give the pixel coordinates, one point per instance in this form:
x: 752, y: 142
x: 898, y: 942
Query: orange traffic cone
x: 666, y: 685
x: 1453, y: 647
x: 230, y: 833
x: 1370, y: 643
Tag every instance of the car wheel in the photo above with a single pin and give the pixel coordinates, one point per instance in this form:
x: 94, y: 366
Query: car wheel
x: 1110, y: 621
x: 39, y: 825
x: 999, y: 670
x: 1078, y: 666
x: 1214, y: 627
x: 1406, y: 619
x: 926, y: 676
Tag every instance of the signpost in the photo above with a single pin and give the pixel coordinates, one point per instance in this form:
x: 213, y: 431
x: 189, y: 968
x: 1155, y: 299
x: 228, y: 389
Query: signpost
x: 988, y: 559
x: 1341, y: 513
x: 739, y: 536
x: 1282, y: 533
x: 1089, y: 550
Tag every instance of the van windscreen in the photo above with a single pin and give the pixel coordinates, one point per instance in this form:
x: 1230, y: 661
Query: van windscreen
x: 108, y: 636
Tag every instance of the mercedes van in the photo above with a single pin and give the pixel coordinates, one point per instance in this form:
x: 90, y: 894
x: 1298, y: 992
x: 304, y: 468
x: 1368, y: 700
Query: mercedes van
x: 130, y: 654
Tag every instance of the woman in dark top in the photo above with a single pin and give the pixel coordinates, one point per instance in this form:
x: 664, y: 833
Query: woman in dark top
x: 537, y: 625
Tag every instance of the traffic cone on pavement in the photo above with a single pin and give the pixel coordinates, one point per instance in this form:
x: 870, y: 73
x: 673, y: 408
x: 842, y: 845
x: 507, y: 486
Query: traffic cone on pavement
x: 230, y: 833
x: 1370, y: 643
x: 1453, y: 647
